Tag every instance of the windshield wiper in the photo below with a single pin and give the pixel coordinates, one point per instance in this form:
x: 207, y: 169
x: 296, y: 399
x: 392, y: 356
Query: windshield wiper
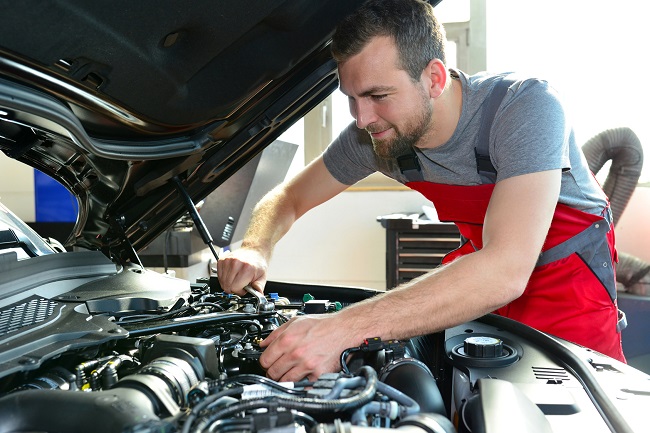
x: 9, y: 240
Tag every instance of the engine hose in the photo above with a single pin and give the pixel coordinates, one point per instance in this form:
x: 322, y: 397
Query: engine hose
x: 399, y: 405
x: 307, y: 404
x: 623, y: 148
x: 421, y: 423
x: 54, y: 410
x: 343, y: 383
x: 318, y: 405
x: 414, y: 379
x: 409, y: 405
x: 386, y: 409
x: 211, y: 400
x: 217, y: 384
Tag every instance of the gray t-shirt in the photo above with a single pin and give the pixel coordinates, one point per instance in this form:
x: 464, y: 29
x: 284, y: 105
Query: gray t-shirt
x: 530, y: 133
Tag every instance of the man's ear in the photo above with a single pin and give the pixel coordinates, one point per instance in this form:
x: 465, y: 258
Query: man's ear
x: 435, y: 76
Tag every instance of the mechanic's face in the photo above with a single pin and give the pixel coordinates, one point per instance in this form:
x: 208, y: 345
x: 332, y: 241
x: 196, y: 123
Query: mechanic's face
x: 396, y: 112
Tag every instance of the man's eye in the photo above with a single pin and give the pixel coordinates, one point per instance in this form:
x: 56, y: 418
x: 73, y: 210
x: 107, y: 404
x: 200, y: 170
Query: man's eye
x: 379, y: 97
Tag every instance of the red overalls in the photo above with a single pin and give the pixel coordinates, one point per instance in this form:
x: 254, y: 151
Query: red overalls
x: 572, y: 290
x: 564, y: 296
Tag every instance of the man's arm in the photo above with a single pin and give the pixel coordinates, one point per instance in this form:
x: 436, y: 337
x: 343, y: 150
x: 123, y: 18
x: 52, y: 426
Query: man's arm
x: 517, y: 222
x: 272, y: 217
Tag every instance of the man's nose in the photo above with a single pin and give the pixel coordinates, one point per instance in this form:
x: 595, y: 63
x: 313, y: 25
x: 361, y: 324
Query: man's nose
x: 364, y: 114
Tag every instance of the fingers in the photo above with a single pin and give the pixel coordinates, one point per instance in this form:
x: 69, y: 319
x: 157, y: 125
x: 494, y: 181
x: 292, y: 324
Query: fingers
x: 259, y: 284
x: 236, y: 270
x: 298, y: 350
x: 287, y: 366
x: 275, y: 334
x: 276, y: 358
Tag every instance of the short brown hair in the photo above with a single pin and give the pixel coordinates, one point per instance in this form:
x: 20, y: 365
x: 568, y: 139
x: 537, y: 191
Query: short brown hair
x: 418, y: 35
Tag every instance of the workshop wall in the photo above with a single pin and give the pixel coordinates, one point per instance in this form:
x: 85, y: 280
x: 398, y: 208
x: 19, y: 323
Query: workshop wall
x: 341, y: 242
x: 17, y: 188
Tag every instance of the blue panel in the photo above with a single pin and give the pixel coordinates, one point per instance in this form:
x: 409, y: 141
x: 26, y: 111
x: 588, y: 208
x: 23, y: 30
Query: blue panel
x: 53, y: 202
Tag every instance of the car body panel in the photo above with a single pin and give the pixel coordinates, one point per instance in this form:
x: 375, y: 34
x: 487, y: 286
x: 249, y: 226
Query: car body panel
x: 115, y: 105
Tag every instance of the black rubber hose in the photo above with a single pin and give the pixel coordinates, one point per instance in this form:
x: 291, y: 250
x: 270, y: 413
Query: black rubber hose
x: 317, y: 405
x: 306, y: 404
x: 74, y: 412
x: 414, y: 379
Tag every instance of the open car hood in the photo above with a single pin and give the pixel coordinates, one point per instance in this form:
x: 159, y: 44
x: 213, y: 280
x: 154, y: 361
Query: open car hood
x: 123, y: 101
x: 115, y: 101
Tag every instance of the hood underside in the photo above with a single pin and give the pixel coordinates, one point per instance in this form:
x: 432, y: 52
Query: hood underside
x: 116, y: 100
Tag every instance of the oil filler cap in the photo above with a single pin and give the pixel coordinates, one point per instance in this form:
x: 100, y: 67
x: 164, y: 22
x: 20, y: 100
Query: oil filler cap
x: 483, y: 347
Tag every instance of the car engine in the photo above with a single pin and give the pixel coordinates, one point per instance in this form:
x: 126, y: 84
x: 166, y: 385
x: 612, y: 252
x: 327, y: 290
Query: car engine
x: 179, y: 360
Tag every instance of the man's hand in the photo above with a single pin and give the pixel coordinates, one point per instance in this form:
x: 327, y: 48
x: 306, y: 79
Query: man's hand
x: 305, y: 347
x: 240, y: 268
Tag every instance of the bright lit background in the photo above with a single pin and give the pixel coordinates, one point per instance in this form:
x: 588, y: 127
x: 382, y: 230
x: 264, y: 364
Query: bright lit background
x: 593, y: 52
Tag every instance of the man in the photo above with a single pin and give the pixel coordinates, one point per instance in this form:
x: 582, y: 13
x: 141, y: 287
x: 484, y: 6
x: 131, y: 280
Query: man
x: 420, y: 123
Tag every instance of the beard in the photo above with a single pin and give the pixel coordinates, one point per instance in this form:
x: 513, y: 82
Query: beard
x: 405, y: 138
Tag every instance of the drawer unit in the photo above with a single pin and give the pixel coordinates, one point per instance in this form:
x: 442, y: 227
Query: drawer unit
x: 414, y: 247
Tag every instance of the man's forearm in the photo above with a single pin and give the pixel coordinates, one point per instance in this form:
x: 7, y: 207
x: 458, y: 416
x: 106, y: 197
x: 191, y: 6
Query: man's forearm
x: 272, y: 217
x: 445, y: 297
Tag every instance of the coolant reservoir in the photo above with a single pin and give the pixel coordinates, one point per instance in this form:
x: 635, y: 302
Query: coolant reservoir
x: 483, y: 347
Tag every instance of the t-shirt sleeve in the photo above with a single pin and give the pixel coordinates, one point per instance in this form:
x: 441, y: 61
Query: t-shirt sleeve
x: 350, y: 158
x: 530, y: 131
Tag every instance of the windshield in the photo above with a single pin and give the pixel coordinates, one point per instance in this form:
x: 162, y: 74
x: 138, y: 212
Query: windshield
x: 18, y: 237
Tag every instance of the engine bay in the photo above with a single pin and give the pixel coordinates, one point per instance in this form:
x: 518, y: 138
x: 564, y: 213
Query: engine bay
x: 100, y: 348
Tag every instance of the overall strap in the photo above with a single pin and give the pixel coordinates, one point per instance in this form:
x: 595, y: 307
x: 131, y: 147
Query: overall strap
x: 409, y: 164
x: 484, y: 166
